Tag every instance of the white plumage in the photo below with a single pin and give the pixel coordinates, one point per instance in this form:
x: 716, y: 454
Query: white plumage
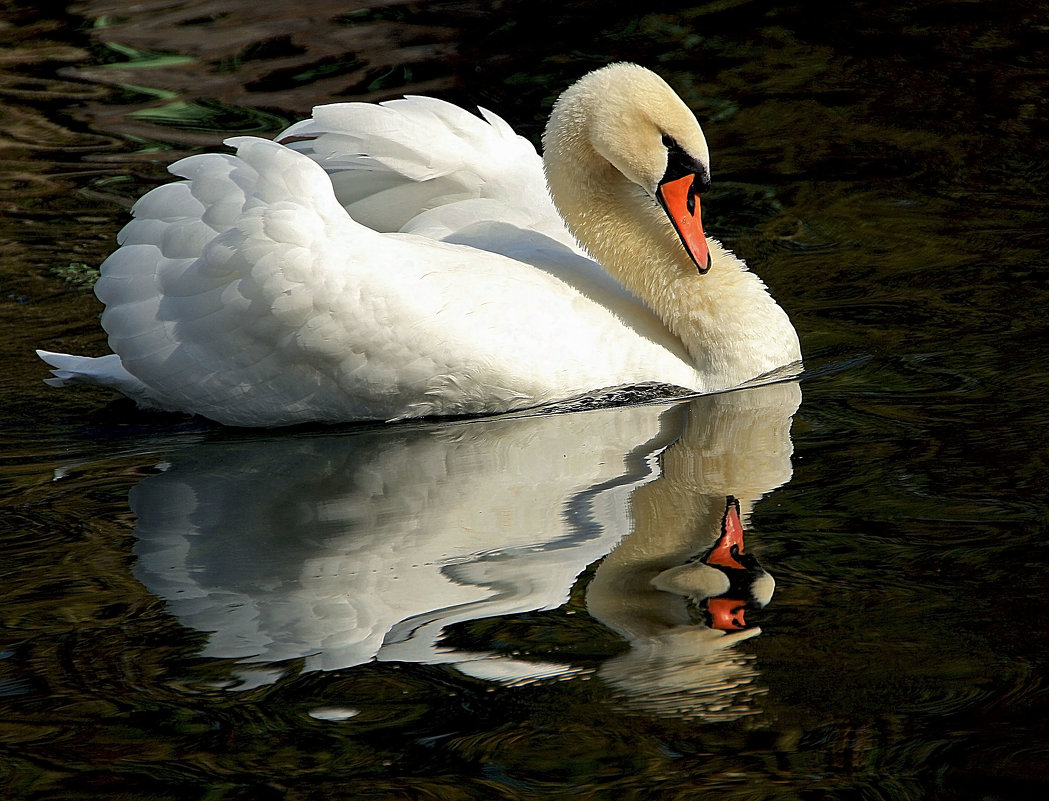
x: 405, y: 259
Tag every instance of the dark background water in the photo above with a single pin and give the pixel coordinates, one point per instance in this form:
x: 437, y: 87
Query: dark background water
x: 881, y: 165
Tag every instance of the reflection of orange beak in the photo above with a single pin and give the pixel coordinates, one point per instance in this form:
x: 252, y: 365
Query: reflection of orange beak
x: 726, y: 614
x: 729, y: 546
x: 680, y: 200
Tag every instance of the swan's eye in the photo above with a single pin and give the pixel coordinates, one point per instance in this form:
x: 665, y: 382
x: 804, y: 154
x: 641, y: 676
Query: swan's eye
x: 681, y: 163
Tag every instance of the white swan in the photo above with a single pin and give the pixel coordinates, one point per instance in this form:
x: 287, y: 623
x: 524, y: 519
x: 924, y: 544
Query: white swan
x: 405, y: 259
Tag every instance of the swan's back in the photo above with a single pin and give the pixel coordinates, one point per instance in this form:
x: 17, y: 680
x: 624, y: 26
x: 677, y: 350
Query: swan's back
x: 247, y: 294
x: 215, y: 293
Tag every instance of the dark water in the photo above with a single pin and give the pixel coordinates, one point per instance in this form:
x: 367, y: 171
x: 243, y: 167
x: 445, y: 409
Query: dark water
x: 467, y: 611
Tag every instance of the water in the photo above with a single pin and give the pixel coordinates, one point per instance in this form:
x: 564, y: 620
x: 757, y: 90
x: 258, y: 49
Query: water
x: 466, y: 611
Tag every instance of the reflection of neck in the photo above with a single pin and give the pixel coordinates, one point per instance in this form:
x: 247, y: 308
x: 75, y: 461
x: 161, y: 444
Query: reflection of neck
x: 672, y: 524
x: 737, y: 444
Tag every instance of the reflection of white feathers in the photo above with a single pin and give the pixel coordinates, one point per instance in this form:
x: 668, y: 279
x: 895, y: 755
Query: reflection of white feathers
x: 342, y: 548
x: 689, y: 670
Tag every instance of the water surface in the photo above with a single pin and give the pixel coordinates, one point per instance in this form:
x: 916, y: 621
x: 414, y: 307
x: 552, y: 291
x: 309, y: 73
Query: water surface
x: 468, y: 610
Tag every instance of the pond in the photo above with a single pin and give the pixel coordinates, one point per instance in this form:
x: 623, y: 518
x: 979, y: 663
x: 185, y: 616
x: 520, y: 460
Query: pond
x: 523, y: 607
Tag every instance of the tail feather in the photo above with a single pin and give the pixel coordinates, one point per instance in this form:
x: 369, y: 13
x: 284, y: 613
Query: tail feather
x: 102, y: 371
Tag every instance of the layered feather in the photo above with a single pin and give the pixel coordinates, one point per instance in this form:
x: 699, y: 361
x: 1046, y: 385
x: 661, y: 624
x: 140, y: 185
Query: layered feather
x: 378, y: 262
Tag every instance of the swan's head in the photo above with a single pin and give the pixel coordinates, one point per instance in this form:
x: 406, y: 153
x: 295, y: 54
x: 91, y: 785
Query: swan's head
x: 628, y: 117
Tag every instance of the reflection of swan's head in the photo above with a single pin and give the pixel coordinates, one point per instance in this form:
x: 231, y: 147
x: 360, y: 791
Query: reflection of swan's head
x: 619, y: 129
x: 724, y: 582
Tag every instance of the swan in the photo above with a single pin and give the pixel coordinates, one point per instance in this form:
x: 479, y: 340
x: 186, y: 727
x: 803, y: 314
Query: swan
x: 410, y: 259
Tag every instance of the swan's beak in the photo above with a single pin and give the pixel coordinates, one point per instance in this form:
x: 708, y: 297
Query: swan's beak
x: 680, y: 200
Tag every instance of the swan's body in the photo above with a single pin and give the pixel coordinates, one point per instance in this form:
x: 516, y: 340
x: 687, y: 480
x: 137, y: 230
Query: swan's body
x: 405, y: 259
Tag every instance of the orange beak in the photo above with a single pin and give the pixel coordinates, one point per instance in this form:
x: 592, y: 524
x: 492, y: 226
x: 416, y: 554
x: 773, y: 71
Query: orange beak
x: 680, y: 200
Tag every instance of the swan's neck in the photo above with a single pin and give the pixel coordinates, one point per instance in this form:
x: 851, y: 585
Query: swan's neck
x: 726, y: 320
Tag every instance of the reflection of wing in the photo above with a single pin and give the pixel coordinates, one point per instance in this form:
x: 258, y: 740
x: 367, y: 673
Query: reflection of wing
x: 342, y: 548
x: 339, y: 549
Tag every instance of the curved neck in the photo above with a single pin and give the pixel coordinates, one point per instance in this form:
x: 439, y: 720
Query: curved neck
x: 727, y: 322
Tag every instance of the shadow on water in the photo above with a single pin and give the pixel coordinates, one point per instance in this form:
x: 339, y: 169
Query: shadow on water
x: 520, y: 608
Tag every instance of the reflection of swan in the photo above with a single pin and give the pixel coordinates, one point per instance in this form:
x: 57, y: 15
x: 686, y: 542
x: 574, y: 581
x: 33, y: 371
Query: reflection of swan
x: 338, y: 549
x: 736, y: 444
x: 248, y: 294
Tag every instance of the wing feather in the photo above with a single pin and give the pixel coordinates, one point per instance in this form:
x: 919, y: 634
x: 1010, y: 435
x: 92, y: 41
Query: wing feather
x: 362, y: 269
x: 391, y: 162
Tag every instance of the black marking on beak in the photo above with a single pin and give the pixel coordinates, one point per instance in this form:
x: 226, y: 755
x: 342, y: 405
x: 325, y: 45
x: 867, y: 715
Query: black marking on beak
x: 680, y: 163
